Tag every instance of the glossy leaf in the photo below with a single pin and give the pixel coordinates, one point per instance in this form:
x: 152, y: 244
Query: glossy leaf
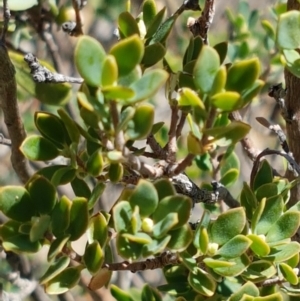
x: 39, y: 227
x: 145, y: 197
x: 63, y: 281
x: 97, y: 229
x: 177, y: 204
x: 89, y: 57
x: 142, y: 122
x: 56, y: 267
x: 248, y: 200
x: 42, y: 193
x: 153, y: 54
x: 155, y: 23
x: 119, y: 294
x: 51, y: 127
x: 56, y: 246
x: 78, y: 218
x: 202, y: 282
x: 13, y: 240
x: 217, y: 263
x: 228, y: 225
x: 16, y: 203
x: 93, y: 257
x: 221, y: 48
x: 226, y: 101
x: 80, y: 188
x: 109, y: 74
x: 149, y: 12
x: 148, y: 85
x: 95, y: 163
x: 230, y: 177
x: 70, y: 125
x: 115, y: 172
x: 139, y: 238
x: 127, y: 25
x: 206, y: 68
x: 38, y: 148
x: 219, y: 81
x: 60, y: 217
x: 128, y: 53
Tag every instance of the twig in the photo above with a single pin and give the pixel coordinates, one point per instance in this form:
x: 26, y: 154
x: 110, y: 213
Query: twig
x: 184, y: 185
x: 41, y: 74
x: 164, y: 259
x: 119, y: 137
x: 156, y: 148
x: 4, y: 141
x: 181, y: 124
x: 9, y: 105
x: 278, y: 93
x: 187, y: 161
x: 294, y: 165
x: 75, y: 28
x: 200, y: 26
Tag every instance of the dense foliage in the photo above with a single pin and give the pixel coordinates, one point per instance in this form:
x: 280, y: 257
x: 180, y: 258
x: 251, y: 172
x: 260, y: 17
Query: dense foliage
x: 243, y: 253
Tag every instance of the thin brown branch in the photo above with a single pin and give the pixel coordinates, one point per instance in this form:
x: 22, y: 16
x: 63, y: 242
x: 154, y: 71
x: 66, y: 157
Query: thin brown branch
x: 181, y: 124
x: 200, y: 26
x: 208, y: 124
x: 9, y: 105
x: 119, y: 136
x: 159, y: 152
x: 4, y: 141
x: 164, y: 259
x: 135, y: 149
x: 187, y: 161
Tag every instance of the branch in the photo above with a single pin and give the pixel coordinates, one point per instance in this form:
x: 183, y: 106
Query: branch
x: 4, y: 141
x: 164, y: 259
x: 41, y: 74
x: 9, y: 105
x: 184, y: 185
x: 71, y: 27
x: 200, y: 26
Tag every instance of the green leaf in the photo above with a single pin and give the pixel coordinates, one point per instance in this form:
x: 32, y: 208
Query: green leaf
x: 153, y: 54
x: 155, y: 246
x: 63, y: 281
x: 241, y: 75
x: 81, y: 188
x: 248, y: 200
x: 15, y: 5
x: 119, y: 294
x: 117, y: 92
x: 148, y: 85
x: 93, y: 257
x: 228, y: 225
x: 139, y: 238
x: 259, y: 271
x: 283, y: 252
x: 13, y: 240
x: 122, y: 213
x: 16, y: 203
x: 229, y: 134
x: 259, y: 246
x: 178, y: 204
x: 271, y: 213
x: 162, y: 227
x: 202, y: 282
x: 194, y: 144
x: 155, y: 23
x: 89, y: 56
x: 115, y: 172
x: 128, y: 53
x: 149, y: 12
x: 248, y: 288
x: 219, y: 81
x: 222, y: 48
x: 97, y: 229
x: 285, y: 227
x: 128, y: 249
x: 95, y: 163
x: 206, y: 68
x: 96, y: 194
x: 288, y: 273
x: 180, y: 238
x: 230, y: 177
x: 164, y: 188
x: 56, y: 267
x: 150, y: 294
x: 60, y: 217
x: 226, y: 101
x: 264, y: 175
x: 52, y: 128
x: 287, y: 35
x: 141, y: 125
x: 78, y: 218
x: 109, y: 74
x: 145, y: 197
x: 100, y: 279
x: 42, y: 193
x: 127, y: 25
x: 235, y: 247
x: 70, y: 125
x: 188, y: 97
x: 39, y: 227
x: 38, y: 148
x: 56, y: 246
x: 240, y: 265
x: 217, y: 263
